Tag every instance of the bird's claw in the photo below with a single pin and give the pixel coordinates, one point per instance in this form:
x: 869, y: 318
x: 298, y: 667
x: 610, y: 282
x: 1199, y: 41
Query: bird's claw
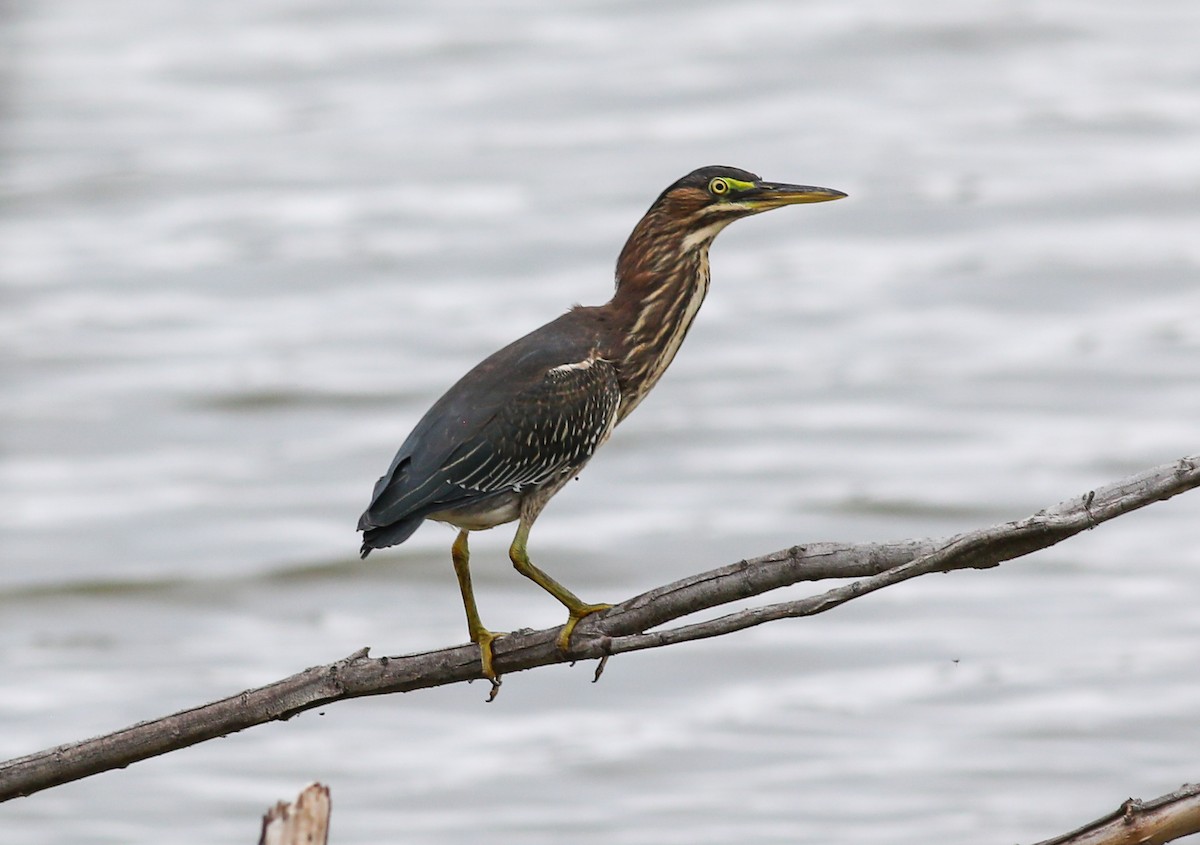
x: 484, y: 639
x: 564, y: 636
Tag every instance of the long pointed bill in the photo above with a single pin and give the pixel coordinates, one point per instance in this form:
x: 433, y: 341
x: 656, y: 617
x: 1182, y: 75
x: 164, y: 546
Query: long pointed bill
x: 769, y: 195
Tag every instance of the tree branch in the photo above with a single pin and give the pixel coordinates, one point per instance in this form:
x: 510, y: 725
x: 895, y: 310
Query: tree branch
x: 303, y: 822
x: 622, y: 629
x: 1163, y: 819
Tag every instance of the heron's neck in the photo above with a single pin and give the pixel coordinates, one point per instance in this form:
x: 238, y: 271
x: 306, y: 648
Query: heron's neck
x: 662, y: 279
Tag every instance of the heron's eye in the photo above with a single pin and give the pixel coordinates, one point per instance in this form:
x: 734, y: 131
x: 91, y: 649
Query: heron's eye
x: 718, y: 187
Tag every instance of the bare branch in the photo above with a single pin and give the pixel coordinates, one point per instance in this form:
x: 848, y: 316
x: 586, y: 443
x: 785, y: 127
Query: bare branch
x: 304, y: 822
x: 1163, y: 819
x: 623, y: 628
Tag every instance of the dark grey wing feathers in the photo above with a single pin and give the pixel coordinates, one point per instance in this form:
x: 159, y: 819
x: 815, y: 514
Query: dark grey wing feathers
x: 548, y: 430
x: 533, y: 412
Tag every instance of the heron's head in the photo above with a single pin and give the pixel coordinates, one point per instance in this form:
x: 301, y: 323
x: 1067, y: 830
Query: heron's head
x: 708, y: 199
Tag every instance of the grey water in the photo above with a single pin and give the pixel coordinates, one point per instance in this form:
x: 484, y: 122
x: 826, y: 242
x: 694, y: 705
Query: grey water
x: 244, y: 245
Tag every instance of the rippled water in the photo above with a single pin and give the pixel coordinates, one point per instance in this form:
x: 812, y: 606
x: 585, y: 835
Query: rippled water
x: 243, y: 246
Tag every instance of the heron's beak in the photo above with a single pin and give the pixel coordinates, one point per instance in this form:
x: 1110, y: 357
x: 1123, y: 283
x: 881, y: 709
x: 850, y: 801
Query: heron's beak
x: 769, y: 195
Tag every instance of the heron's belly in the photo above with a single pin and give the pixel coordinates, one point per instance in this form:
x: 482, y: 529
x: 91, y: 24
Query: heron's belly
x: 483, y: 515
x: 508, y: 506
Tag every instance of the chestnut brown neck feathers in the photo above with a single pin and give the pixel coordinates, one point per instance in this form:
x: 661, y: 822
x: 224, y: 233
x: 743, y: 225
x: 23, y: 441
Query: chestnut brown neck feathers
x: 662, y: 278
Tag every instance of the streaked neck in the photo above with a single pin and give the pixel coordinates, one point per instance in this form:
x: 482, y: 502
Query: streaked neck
x: 662, y: 279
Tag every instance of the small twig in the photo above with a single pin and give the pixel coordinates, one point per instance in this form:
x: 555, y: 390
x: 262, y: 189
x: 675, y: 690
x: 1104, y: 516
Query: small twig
x: 600, y: 664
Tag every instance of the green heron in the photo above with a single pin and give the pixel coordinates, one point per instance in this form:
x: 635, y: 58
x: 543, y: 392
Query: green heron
x: 515, y: 429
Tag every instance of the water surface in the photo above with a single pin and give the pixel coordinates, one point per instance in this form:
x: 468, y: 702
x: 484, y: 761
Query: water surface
x: 243, y: 248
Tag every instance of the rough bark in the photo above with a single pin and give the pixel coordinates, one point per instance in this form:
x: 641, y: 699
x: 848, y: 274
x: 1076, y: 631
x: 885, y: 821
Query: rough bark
x: 303, y: 822
x: 1135, y: 822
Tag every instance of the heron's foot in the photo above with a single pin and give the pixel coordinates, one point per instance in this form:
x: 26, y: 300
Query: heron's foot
x: 484, y: 639
x: 577, y: 613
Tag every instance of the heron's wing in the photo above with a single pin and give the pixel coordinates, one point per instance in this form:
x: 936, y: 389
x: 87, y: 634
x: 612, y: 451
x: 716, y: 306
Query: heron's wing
x: 548, y: 431
x: 532, y: 412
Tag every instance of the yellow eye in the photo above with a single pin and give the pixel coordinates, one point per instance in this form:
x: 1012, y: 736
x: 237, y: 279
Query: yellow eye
x: 718, y: 187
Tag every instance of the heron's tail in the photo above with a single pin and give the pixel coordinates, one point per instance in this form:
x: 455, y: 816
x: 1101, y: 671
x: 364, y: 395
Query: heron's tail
x: 382, y: 536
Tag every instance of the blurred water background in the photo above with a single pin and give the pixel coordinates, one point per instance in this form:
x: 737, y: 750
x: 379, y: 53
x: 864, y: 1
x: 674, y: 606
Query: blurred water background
x: 244, y: 245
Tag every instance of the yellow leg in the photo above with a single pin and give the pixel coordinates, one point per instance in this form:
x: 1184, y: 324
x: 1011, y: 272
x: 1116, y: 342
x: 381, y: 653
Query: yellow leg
x: 479, y: 634
x: 576, y: 608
